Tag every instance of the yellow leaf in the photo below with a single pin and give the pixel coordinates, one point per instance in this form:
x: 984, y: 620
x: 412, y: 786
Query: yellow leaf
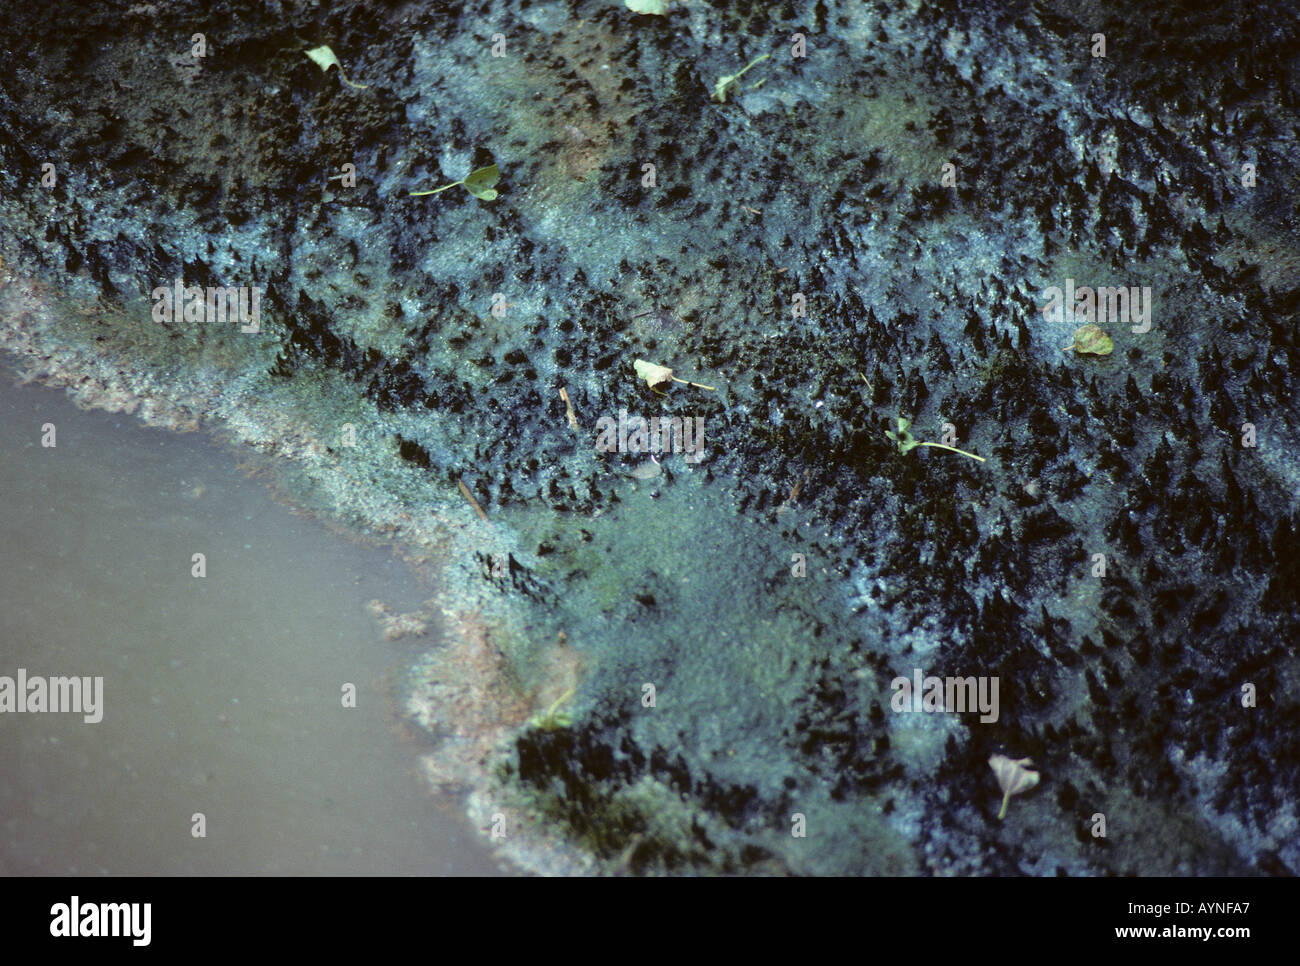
x: 324, y: 58
x: 653, y: 375
x: 1091, y: 340
x: 656, y: 375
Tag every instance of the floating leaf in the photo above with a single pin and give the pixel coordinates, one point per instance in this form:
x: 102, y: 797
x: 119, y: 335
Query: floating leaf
x: 324, y: 58
x: 656, y: 7
x: 1091, y: 340
x: 905, y: 440
x: 652, y: 374
x: 480, y: 182
x: 656, y: 375
x: 1013, y: 777
x: 720, y: 88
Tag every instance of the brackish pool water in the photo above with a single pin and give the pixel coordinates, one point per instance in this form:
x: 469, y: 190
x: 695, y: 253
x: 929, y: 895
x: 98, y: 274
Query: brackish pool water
x: 222, y: 695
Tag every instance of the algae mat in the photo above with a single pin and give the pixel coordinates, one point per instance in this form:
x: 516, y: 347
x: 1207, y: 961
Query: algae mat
x: 925, y: 519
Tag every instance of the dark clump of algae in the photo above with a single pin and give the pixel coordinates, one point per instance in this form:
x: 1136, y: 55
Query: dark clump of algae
x: 698, y: 634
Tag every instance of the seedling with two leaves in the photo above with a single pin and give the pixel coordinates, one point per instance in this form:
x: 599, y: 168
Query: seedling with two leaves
x: 553, y: 718
x: 907, y: 442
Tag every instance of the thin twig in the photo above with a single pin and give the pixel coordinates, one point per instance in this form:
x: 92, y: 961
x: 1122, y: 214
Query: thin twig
x: 472, y: 502
x: 568, y: 406
x: 794, y: 494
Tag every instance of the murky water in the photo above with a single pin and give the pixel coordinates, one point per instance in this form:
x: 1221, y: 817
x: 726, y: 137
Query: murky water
x: 222, y: 695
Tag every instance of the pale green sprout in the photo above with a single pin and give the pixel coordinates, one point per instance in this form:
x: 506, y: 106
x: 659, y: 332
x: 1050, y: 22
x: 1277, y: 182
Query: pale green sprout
x: 479, y: 183
x: 907, y: 442
x: 324, y: 58
x: 720, y: 88
x: 553, y: 718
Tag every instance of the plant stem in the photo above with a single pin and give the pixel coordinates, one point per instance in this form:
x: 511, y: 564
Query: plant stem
x: 550, y: 713
x: 689, y: 383
x: 416, y: 194
x: 749, y: 65
x: 953, y: 449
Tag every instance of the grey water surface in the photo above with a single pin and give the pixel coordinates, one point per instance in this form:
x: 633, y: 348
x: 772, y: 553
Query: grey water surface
x: 222, y: 695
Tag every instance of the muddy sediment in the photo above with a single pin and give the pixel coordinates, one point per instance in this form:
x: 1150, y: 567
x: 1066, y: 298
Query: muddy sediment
x: 245, y: 720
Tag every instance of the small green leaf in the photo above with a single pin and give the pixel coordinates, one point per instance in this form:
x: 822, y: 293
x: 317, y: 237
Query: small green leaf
x: 324, y: 58
x: 656, y: 7
x: 1091, y: 340
x: 480, y: 182
x: 905, y: 440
